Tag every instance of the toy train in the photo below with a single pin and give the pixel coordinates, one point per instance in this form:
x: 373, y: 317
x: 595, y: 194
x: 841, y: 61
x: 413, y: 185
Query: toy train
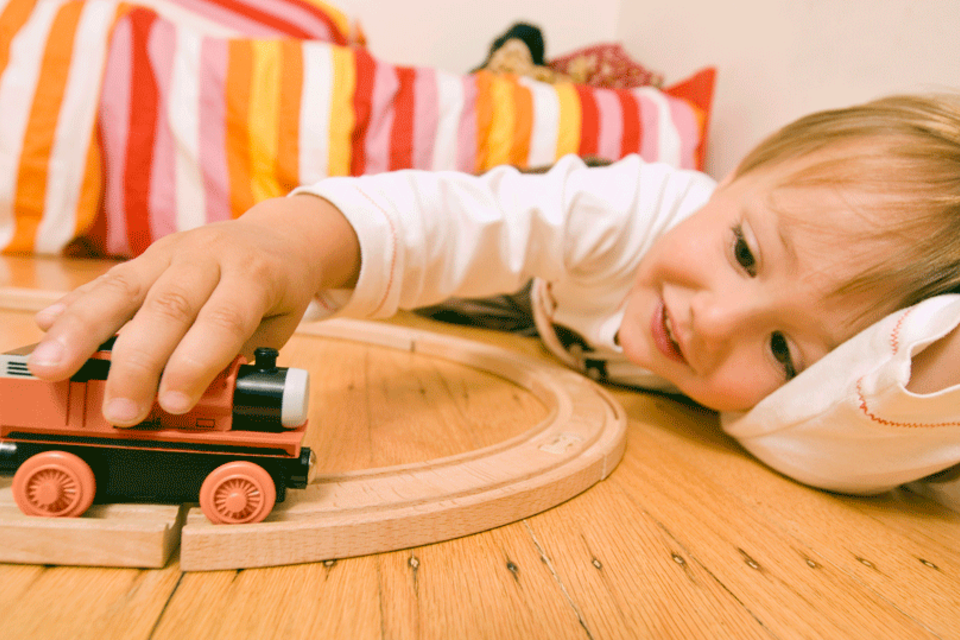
x: 236, y: 452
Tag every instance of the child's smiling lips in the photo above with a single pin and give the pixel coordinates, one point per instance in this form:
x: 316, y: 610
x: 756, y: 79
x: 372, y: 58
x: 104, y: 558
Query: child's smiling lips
x: 662, y: 330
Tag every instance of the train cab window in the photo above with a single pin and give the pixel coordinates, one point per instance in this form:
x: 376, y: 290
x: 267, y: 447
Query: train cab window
x: 92, y: 370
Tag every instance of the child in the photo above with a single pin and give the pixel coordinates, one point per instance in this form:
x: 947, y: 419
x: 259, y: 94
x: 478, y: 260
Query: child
x: 725, y: 292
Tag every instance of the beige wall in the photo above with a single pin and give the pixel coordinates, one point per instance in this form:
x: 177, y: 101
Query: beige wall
x: 777, y: 59
x: 780, y: 59
x: 455, y: 35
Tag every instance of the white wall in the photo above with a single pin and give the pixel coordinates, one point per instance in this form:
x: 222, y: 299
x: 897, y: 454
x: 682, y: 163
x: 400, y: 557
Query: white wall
x: 776, y: 59
x: 780, y: 59
x: 455, y: 35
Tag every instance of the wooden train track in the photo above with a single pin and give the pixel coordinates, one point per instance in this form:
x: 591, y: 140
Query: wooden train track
x: 384, y: 509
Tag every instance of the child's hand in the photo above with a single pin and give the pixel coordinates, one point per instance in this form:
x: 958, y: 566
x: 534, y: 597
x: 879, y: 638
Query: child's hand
x: 194, y: 300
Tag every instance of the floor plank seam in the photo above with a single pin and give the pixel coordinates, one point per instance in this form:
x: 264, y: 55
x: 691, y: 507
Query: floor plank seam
x: 380, y: 603
x: 166, y: 604
x: 693, y: 558
x: 556, y: 576
x: 852, y: 575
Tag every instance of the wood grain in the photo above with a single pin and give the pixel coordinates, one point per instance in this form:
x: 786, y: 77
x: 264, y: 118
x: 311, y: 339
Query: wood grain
x: 387, y: 507
x: 117, y: 535
x: 688, y: 538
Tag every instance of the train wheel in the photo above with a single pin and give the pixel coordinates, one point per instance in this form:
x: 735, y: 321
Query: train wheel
x: 54, y: 484
x: 237, y: 492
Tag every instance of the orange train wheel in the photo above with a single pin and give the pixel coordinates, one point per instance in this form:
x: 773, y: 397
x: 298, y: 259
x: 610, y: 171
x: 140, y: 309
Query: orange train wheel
x: 237, y: 493
x: 54, y: 484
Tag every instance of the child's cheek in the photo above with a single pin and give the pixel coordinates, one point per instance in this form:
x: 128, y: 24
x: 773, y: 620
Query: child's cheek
x: 632, y: 335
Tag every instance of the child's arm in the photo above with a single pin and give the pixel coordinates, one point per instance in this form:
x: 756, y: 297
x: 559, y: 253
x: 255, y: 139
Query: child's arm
x: 432, y: 235
x: 938, y: 366
x: 194, y: 300
x: 198, y: 298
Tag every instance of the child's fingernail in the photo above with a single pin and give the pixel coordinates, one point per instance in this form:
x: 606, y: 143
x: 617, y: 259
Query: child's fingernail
x: 121, y: 411
x: 175, y: 402
x: 47, y: 354
x: 50, y: 313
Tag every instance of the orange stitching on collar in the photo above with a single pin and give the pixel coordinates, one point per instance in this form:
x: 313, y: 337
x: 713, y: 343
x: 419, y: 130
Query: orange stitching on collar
x: 895, y: 334
x: 892, y: 423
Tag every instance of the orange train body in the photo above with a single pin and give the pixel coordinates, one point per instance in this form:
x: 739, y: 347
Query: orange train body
x: 251, y: 415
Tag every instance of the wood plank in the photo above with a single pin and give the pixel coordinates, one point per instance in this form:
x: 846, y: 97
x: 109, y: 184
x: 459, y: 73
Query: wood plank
x: 323, y: 600
x: 84, y: 603
x: 114, y: 535
x: 457, y: 408
x: 396, y: 507
x: 793, y: 589
x: 899, y: 546
x: 492, y: 585
x: 690, y: 537
x: 629, y: 577
x: 578, y: 444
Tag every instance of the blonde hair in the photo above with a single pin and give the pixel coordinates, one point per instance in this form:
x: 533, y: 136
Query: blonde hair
x: 904, y: 149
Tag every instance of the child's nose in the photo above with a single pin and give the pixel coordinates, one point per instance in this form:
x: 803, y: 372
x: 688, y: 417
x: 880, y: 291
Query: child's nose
x: 718, y: 322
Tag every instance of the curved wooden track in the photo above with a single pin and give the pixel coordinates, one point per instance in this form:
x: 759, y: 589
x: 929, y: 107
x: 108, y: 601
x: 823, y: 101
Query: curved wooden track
x: 383, y: 509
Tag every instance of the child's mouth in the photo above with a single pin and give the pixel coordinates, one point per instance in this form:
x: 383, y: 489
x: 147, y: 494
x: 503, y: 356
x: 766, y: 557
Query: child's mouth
x: 662, y: 329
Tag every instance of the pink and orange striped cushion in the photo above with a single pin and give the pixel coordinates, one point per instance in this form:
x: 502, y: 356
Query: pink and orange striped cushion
x: 139, y: 123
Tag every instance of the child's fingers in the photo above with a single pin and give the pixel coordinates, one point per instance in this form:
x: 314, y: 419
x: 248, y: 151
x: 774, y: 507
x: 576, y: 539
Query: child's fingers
x: 222, y: 327
x: 273, y: 332
x: 46, y: 317
x: 186, y: 307
x: 88, y: 316
x: 143, y: 348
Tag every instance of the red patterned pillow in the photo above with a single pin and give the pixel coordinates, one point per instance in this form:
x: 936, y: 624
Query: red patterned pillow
x: 605, y: 65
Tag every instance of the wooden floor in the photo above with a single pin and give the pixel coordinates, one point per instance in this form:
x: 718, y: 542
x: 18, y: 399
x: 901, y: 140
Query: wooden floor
x: 688, y: 538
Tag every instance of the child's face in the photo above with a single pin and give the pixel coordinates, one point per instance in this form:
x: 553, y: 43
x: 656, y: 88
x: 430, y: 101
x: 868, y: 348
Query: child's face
x: 733, y: 301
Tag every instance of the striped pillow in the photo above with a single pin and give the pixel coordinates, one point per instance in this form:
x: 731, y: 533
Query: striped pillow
x: 52, y: 57
x: 190, y: 125
x: 302, y: 19
x: 50, y: 176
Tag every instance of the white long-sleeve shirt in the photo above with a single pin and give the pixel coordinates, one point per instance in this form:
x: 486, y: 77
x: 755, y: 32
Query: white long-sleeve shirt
x: 847, y: 423
x: 578, y: 232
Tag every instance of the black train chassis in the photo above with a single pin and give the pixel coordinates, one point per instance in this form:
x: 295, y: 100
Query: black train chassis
x: 141, y: 472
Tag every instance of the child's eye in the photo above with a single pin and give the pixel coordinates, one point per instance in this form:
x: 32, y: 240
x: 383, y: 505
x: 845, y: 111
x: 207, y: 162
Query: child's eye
x: 742, y: 253
x: 781, y: 352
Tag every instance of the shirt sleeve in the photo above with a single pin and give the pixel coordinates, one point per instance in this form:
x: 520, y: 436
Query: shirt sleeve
x: 427, y: 236
x: 848, y: 423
